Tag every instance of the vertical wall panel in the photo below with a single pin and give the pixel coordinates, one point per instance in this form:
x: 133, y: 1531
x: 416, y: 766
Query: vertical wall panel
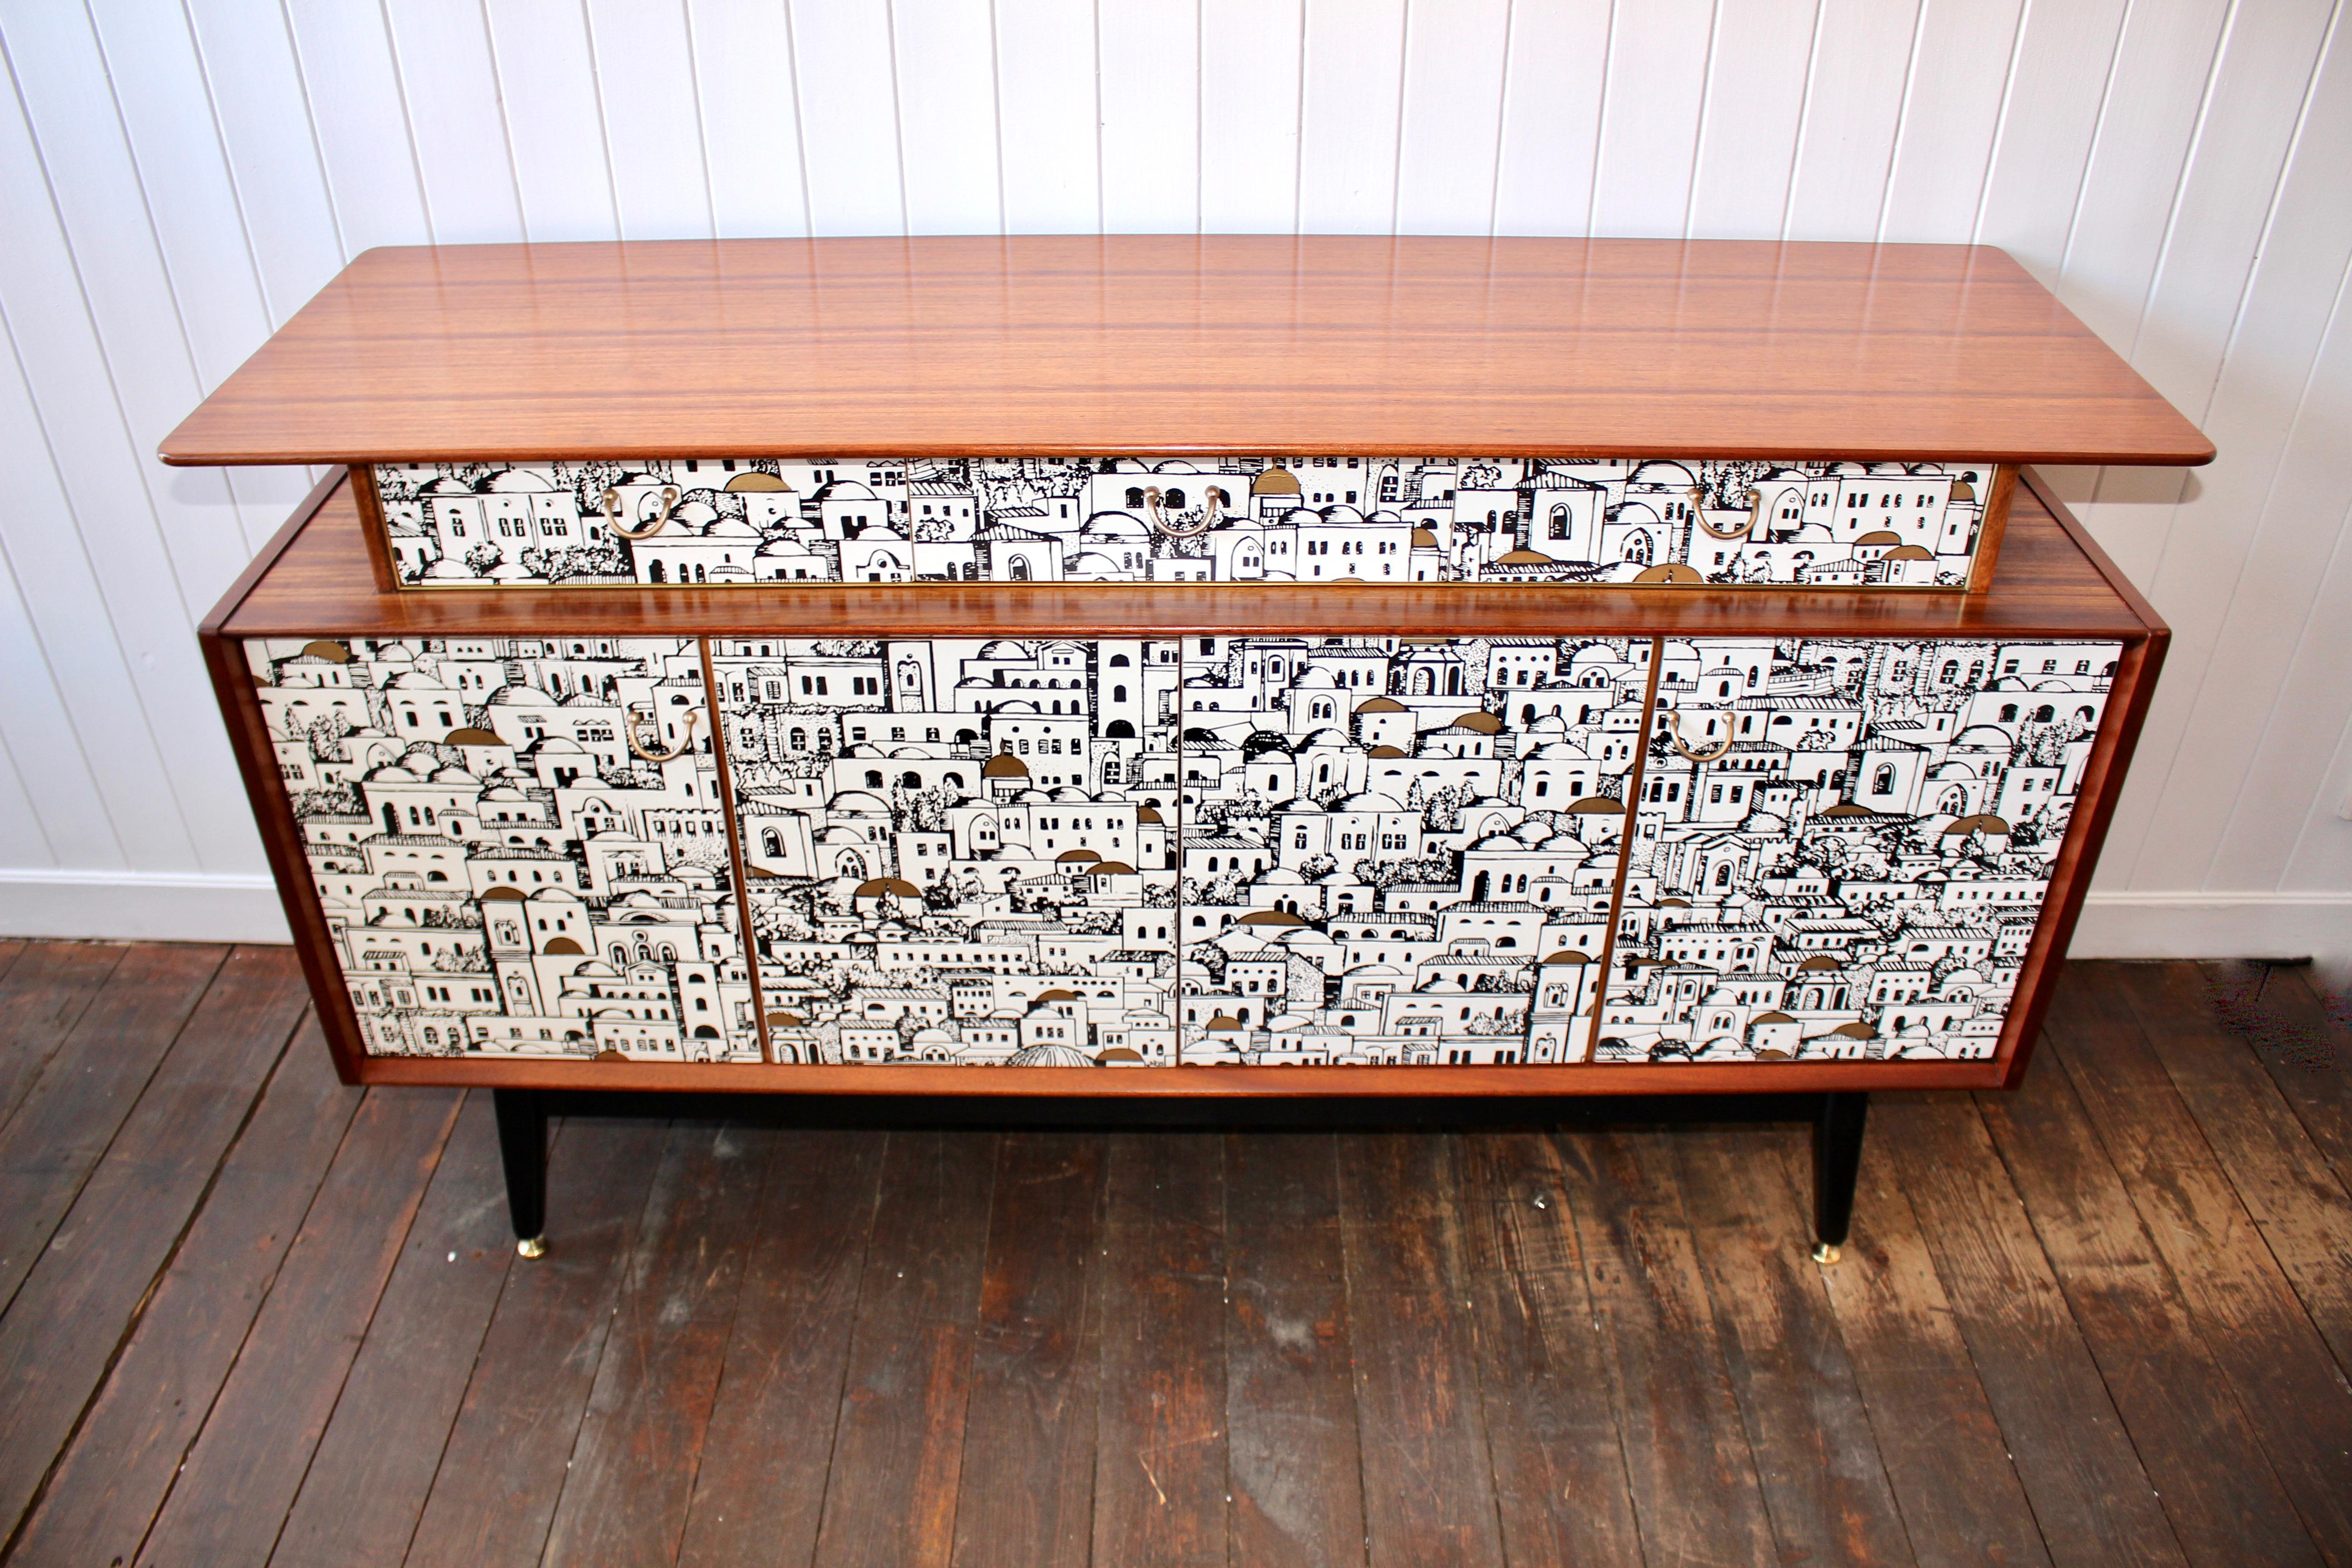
x: 247, y: 55
x: 1348, y: 116
x: 1551, y: 116
x: 2252, y: 542
x: 1150, y: 57
x: 546, y: 78
x: 1758, y: 64
x: 1944, y: 148
x: 947, y: 116
x: 2323, y: 859
x: 2050, y: 112
x: 2161, y: 64
x: 353, y: 85
x: 645, y: 90
x: 1861, y: 65
x: 849, y: 116
x: 1049, y: 108
x: 1249, y: 115
x: 2289, y: 634
x: 1649, y: 118
x: 65, y: 813
x: 455, y: 120
x: 205, y: 268
x: 2237, y: 372
x: 751, y: 118
x: 1451, y: 126
x: 97, y: 191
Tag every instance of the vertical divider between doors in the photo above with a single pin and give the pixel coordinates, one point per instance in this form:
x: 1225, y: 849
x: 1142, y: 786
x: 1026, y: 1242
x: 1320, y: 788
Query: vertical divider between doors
x: 1176, y: 993
x: 725, y: 778
x: 1626, y: 841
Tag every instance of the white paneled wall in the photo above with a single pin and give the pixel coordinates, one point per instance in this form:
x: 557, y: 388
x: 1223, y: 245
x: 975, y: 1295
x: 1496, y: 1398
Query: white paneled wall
x: 178, y: 177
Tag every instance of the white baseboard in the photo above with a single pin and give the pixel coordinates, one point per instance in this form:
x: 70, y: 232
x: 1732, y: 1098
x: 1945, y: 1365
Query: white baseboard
x: 196, y: 907
x: 2316, y: 926
x: 141, y: 906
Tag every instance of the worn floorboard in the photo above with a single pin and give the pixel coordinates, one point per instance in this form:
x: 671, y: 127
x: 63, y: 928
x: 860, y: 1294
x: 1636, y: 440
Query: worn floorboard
x: 119, y: 1466
x: 1293, y: 1445
x: 1159, y: 1457
x: 62, y: 1330
x: 257, y: 1317
x: 1025, y: 1491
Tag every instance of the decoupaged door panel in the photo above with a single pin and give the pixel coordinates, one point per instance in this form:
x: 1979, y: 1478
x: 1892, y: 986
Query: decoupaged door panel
x: 1401, y: 851
x: 517, y: 845
x: 1841, y: 847
x: 1233, y: 851
x: 957, y: 851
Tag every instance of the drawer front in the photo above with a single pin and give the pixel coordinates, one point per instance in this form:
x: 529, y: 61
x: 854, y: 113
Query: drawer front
x: 890, y: 521
x: 1269, y: 849
x: 1842, y: 848
x: 519, y: 845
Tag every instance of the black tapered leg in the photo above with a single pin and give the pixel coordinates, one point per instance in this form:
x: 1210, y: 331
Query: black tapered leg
x: 1837, y: 1164
x: 522, y: 1147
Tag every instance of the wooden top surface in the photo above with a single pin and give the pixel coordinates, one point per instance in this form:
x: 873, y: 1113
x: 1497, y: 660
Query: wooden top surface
x: 2051, y: 583
x: 1223, y: 344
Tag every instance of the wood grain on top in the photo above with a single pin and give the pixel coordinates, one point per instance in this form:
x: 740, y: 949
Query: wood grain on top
x: 1233, y: 344
x: 2054, y: 584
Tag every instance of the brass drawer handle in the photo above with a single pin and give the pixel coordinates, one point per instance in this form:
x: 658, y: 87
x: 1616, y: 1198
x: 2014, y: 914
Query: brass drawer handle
x: 613, y: 514
x: 1173, y: 530
x: 1674, y: 726
x: 1739, y: 530
x: 652, y: 721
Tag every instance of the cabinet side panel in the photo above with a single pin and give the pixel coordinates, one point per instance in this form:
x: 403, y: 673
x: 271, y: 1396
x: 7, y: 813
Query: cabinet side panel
x: 957, y: 851
x: 374, y: 528
x: 1845, y: 848
x: 2078, y: 858
x: 238, y: 669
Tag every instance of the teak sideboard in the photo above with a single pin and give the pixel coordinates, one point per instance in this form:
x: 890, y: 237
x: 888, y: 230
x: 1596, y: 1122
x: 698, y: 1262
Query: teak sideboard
x: 1237, y: 668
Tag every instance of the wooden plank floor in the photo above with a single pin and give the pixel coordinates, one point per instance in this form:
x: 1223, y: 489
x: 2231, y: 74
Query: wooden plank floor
x: 249, y: 1315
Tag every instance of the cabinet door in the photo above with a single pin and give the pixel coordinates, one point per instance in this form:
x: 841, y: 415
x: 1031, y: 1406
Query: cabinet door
x: 957, y: 851
x: 1842, y: 847
x: 1401, y: 852
x: 518, y: 845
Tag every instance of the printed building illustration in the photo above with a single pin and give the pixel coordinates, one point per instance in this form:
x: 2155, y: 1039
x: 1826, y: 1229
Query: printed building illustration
x: 1262, y: 850
x: 958, y: 851
x: 518, y: 843
x: 1280, y: 519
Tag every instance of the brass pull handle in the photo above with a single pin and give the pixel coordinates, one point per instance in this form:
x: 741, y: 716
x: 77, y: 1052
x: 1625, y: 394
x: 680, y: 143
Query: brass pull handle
x: 1739, y: 530
x: 613, y: 514
x: 1674, y: 728
x: 652, y: 720
x: 1160, y: 521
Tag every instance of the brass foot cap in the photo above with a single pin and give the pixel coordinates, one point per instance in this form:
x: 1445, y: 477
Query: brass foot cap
x: 1823, y: 1252
x: 531, y: 1246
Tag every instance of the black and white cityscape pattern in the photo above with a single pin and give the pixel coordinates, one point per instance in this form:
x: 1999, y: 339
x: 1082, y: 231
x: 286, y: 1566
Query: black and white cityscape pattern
x: 958, y: 851
x: 1249, y: 850
x: 517, y: 843
x: 1298, y: 520
x: 1841, y: 849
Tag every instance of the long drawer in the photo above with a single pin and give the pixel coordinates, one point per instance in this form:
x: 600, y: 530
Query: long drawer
x: 1222, y: 850
x: 1295, y: 520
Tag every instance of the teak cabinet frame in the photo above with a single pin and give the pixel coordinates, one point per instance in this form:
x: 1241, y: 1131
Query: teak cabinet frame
x: 313, y: 580
x: 1191, y: 346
